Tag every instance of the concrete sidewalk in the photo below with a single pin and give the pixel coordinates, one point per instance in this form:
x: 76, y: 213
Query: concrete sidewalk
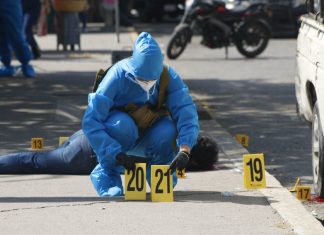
x: 52, y: 105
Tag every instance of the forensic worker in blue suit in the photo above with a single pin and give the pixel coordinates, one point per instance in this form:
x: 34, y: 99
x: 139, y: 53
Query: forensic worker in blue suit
x: 125, y: 117
x: 12, y: 37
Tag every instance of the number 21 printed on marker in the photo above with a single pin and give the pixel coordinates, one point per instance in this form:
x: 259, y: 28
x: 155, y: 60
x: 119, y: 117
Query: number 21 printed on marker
x: 161, y: 184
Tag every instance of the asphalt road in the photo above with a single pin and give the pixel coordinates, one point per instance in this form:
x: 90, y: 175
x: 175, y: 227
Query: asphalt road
x: 255, y: 97
x: 252, y: 96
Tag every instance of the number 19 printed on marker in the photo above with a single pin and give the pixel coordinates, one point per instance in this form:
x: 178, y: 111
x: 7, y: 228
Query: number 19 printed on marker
x: 254, y: 173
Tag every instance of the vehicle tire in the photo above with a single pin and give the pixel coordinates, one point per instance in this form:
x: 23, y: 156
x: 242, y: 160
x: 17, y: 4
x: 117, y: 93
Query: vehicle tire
x: 178, y: 41
x: 317, y: 153
x: 253, y: 39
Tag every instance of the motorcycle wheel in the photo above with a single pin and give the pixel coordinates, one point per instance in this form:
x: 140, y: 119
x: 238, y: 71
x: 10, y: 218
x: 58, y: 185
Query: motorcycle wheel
x: 253, y: 39
x: 178, y: 41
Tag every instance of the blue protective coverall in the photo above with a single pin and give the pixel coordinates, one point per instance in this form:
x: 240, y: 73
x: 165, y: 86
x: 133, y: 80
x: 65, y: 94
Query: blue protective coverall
x: 111, y: 131
x: 12, y: 36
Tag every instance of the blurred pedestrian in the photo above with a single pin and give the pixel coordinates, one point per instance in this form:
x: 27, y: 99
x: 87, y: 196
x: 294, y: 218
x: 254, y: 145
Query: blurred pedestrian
x: 31, y: 12
x: 107, y: 12
x: 83, y: 16
x: 124, y: 6
x: 12, y: 36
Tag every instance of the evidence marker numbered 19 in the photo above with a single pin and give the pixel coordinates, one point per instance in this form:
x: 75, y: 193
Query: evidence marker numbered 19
x: 161, y: 184
x: 37, y: 143
x: 254, y: 173
x: 135, y: 183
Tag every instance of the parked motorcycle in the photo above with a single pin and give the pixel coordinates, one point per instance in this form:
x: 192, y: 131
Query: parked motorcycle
x: 245, y: 26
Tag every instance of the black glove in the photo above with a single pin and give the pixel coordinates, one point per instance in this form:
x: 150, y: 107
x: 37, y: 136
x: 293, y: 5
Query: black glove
x: 180, y: 161
x: 125, y: 160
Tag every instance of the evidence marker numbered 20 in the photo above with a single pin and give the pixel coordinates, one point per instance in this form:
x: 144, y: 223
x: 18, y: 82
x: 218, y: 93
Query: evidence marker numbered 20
x: 135, y: 183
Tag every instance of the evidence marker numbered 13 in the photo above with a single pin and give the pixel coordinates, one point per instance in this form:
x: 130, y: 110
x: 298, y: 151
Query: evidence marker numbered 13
x: 37, y: 143
x: 161, y: 184
x: 135, y: 183
x: 254, y: 173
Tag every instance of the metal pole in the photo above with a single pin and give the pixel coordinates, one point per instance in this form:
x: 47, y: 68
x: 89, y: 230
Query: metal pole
x: 117, y: 19
x: 311, y: 6
x: 322, y: 8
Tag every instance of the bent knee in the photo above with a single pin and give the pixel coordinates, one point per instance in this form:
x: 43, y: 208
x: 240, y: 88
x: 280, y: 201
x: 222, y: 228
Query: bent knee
x: 121, y: 127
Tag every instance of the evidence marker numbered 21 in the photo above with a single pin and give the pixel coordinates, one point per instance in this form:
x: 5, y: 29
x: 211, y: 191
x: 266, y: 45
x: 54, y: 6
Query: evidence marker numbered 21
x: 161, y: 183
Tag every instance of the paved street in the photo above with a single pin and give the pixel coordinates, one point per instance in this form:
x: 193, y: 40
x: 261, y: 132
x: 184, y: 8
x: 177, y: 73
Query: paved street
x: 255, y: 97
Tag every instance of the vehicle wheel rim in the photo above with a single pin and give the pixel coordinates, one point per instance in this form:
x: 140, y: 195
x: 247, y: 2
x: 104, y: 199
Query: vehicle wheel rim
x: 178, y: 44
x: 315, y: 152
x: 254, y: 38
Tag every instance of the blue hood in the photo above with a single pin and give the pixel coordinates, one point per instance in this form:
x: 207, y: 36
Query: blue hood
x: 147, y: 60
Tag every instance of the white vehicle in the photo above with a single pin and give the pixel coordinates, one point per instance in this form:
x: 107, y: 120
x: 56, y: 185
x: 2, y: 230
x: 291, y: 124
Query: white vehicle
x: 309, y: 84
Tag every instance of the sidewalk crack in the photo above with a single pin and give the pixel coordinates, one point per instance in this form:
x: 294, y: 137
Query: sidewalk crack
x: 46, y: 207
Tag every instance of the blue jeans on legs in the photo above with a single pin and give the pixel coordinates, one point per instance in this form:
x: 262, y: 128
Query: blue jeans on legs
x: 75, y: 156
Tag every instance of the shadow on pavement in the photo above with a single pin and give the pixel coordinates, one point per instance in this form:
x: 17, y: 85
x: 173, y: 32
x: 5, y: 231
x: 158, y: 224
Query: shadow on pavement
x: 28, y: 179
x: 53, y: 55
x: 266, y: 112
x: 239, y: 58
x: 50, y: 106
x: 51, y: 199
x: 53, y: 105
x: 179, y: 196
x: 214, y: 196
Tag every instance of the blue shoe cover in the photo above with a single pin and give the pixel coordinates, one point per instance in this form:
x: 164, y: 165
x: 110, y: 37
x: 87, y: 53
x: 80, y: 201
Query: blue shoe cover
x: 115, y: 191
x: 7, y: 71
x: 106, y: 183
x: 28, y: 71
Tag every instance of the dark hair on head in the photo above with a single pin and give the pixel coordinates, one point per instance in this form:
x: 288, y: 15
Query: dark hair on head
x: 203, y: 154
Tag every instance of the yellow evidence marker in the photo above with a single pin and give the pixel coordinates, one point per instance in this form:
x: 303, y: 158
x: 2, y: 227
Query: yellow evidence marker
x: 135, y: 183
x: 37, y: 143
x: 161, y: 184
x: 243, y: 139
x: 303, y: 192
x: 181, y: 174
x: 62, y: 139
x: 295, y: 187
x: 254, y: 173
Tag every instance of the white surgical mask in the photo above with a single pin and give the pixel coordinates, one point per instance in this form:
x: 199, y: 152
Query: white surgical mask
x: 146, y: 85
